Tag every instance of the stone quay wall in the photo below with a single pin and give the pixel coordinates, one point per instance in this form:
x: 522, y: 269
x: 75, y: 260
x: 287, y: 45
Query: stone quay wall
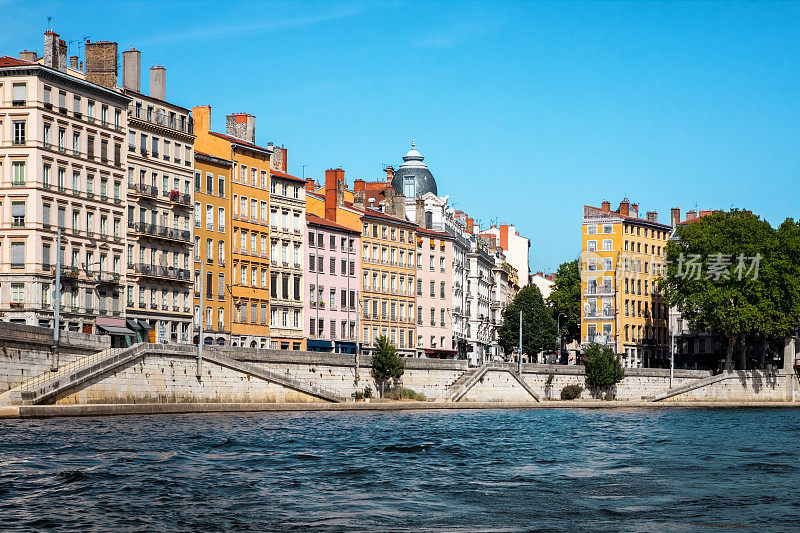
x: 168, y: 376
x: 25, y: 351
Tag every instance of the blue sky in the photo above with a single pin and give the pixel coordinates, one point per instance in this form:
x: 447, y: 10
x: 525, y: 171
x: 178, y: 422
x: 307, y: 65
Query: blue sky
x: 525, y: 111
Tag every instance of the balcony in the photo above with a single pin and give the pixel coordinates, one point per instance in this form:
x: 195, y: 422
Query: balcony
x: 143, y: 189
x: 178, y: 197
x: 161, y: 232
x: 597, y: 313
x: 161, y: 272
x: 600, y: 290
x: 107, y: 278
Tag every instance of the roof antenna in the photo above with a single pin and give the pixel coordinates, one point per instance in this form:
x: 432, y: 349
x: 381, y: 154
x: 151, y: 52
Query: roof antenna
x: 49, y: 26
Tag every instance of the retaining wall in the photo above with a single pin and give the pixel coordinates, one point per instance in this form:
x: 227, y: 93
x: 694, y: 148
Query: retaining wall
x: 25, y: 351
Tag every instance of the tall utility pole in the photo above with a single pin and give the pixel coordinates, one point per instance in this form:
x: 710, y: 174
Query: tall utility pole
x: 56, y: 302
x: 202, y: 317
x: 520, y: 343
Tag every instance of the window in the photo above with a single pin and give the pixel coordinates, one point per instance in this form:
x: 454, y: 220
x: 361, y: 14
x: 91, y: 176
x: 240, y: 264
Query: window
x: 17, y: 255
x: 18, y: 169
x: 209, y: 217
x: 18, y: 214
x: 18, y: 96
x: 18, y: 132
x: 221, y: 219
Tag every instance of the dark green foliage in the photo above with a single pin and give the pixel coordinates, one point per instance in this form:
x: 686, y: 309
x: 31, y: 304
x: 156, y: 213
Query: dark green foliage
x: 367, y: 392
x: 743, y: 310
x: 538, y: 325
x: 603, y: 368
x: 385, y: 363
x: 570, y: 392
x: 406, y: 394
x: 566, y: 298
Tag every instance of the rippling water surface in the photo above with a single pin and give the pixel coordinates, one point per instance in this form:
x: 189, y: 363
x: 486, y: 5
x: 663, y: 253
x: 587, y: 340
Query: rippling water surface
x: 632, y: 470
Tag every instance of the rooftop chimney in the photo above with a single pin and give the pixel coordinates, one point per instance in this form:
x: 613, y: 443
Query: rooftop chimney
x: 675, y: 216
x: 606, y: 206
x: 311, y: 186
x: 332, y: 178
x: 691, y: 215
x: 101, y: 63
x: 359, y: 193
x: 158, y: 82
x: 634, y: 211
x: 62, y: 56
x: 652, y: 216
x: 389, y: 173
x: 51, y: 49
x: 419, y: 219
x: 27, y: 55
x: 278, y: 161
x: 624, y: 207
x: 132, y: 70
x: 73, y: 62
x: 242, y: 126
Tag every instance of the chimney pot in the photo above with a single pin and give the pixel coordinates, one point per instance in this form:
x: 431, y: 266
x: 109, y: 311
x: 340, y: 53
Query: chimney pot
x: 605, y: 206
x: 158, y: 82
x: 241, y: 126
x: 132, y: 70
x: 675, y: 216
x: 73, y: 62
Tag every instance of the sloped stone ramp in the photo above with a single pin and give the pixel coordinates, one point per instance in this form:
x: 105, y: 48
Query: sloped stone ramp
x: 471, y: 381
x: 93, y: 369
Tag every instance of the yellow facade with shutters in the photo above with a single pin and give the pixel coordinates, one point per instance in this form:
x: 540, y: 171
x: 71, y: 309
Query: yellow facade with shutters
x: 621, y: 303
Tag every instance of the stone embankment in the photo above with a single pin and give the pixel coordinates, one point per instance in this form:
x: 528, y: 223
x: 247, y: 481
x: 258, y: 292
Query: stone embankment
x: 166, y: 378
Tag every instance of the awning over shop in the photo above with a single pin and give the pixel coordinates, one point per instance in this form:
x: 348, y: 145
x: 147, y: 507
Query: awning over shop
x: 145, y: 325
x: 133, y: 324
x: 115, y: 330
x: 313, y: 343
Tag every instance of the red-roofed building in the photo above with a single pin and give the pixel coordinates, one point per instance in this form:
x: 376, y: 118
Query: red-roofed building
x: 249, y: 280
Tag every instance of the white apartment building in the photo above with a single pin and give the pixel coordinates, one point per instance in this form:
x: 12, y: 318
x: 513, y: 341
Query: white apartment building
x: 61, y: 166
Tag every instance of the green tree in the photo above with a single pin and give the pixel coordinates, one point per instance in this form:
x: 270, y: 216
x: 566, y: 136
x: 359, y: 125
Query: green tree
x: 742, y: 305
x: 603, y: 367
x: 386, y: 364
x: 538, y: 325
x: 566, y: 299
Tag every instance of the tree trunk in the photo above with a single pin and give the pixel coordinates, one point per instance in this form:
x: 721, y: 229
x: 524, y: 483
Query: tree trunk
x: 762, y: 353
x: 743, y: 352
x: 729, y: 354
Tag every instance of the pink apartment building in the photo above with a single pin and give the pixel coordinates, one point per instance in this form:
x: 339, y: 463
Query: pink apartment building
x: 333, y: 271
x: 434, y: 294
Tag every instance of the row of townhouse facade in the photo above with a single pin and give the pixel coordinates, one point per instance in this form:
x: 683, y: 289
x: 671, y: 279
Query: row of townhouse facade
x: 172, y: 232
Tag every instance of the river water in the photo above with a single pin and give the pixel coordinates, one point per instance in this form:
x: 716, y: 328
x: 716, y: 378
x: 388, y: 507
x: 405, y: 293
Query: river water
x: 497, y: 470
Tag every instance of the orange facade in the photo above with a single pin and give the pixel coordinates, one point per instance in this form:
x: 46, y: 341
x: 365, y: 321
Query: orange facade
x: 212, y: 248
x: 249, y: 229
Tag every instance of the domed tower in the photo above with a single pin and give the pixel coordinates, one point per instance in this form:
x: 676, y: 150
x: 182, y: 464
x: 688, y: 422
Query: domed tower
x: 413, y: 179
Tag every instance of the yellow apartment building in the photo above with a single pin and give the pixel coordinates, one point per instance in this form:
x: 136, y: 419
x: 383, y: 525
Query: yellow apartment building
x: 622, y: 258
x: 212, y: 248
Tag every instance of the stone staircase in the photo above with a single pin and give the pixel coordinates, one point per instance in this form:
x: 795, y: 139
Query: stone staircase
x: 50, y: 384
x: 468, y: 379
x: 704, y: 382
x: 44, y: 386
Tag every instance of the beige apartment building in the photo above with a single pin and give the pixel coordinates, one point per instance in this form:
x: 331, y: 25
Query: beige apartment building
x: 287, y: 217
x: 159, y: 232
x: 61, y: 165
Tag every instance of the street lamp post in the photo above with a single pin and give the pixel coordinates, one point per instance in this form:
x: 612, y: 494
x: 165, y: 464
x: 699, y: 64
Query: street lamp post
x: 520, y: 343
x: 558, y: 320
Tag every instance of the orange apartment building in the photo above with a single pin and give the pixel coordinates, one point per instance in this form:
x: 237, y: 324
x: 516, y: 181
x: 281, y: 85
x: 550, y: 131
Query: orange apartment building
x: 212, y: 248
x: 249, y: 229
